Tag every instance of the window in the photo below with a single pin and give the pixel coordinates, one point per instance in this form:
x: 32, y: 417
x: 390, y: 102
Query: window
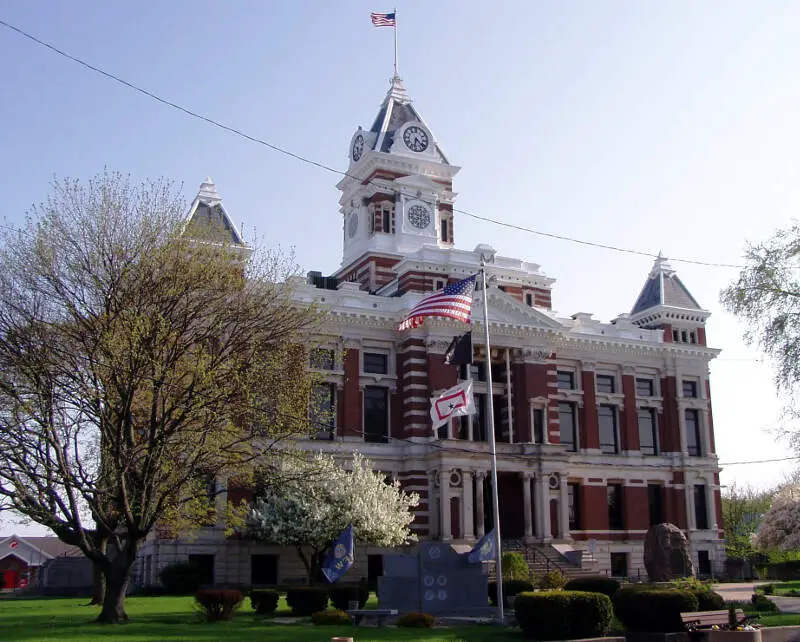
x: 321, y: 410
x: 529, y: 299
x: 566, y: 380
x: 439, y: 284
x: 703, y: 564
x: 573, y: 501
x: 538, y: 425
x: 690, y: 388
x: 263, y: 570
x: 605, y: 383
x: 648, y: 435
x: 479, y: 431
x: 684, y: 336
x: 645, y: 388
x: 445, y: 230
x: 205, y: 566
x: 382, y: 219
x: 376, y: 414
x: 614, y: 495
x: 654, y: 504
x: 322, y: 359
x: 566, y: 417
x: 676, y: 336
x: 693, y: 446
x: 692, y: 337
x: 498, y: 373
x: 376, y: 363
x: 700, y: 507
x: 607, y: 418
x: 619, y: 564
x: 476, y: 370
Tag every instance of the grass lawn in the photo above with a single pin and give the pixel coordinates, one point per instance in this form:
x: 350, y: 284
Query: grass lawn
x: 787, y: 588
x: 171, y: 619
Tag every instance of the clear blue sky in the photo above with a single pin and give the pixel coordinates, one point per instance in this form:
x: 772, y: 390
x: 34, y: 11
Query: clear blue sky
x: 656, y: 126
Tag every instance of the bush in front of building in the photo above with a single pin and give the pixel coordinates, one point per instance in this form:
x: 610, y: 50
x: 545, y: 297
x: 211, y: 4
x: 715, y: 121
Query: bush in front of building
x: 341, y: 596
x: 763, y: 604
x: 218, y: 604
x: 649, y: 610
x: 416, y: 620
x: 510, y: 588
x: 264, y: 601
x: 181, y: 578
x: 784, y: 571
x: 554, y: 579
x: 330, y: 618
x: 515, y: 566
x: 306, y: 600
x: 707, y: 599
x: 599, y: 584
x: 563, y: 615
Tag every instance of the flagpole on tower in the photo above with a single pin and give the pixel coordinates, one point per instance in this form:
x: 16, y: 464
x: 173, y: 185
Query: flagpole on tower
x: 492, y: 444
x: 395, y: 42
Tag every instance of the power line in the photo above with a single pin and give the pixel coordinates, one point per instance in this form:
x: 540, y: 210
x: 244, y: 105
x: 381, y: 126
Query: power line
x: 233, y: 130
x: 758, y: 461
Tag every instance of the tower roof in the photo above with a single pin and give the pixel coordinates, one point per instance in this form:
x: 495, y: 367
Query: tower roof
x: 207, y: 218
x: 395, y: 111
x: 664, y: 288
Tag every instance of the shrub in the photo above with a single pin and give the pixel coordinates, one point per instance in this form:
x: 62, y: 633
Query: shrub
x: 653, y: 610
x: 510, y: 588
x: 341, y: 596
x: 768, y: 589
x: 264, y: 601
x: 306, y: 600
x: 605, y: 585
x: 330, y: 618
x: 554, y: 579
x: 181, y: 578
x: 708, y: 600
x: 563, y: 615
x: 218, y: 604
x: 415, y: 620
x: 788, y: 570
x: 763, y: 604
x: 515, y: 567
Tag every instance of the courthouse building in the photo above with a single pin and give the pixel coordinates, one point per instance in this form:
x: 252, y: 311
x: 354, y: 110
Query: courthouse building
x: 602, y: 428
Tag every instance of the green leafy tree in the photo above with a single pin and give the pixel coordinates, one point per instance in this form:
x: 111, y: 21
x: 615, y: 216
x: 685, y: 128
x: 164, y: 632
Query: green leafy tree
x: 742, y: 510
x: 137, y: 364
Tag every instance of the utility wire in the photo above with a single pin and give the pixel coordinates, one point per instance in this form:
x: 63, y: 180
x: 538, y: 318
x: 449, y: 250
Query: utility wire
x: 238, y: 132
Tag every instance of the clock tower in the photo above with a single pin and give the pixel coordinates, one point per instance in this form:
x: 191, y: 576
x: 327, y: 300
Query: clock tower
x: 397, y: 197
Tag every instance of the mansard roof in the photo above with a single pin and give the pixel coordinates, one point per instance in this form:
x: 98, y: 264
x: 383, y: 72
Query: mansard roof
x: 208, y: 220
x: 664, y: 288
x: 395, y: 111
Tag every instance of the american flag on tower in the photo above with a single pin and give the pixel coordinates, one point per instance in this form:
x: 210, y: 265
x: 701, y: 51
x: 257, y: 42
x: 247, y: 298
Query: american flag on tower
x: 383, y: 19
x: 453, y: 302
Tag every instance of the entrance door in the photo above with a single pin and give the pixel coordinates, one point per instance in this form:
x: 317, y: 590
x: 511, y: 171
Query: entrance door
x: 455, y: 518
x: 554, y: 518
x: 10, y: 579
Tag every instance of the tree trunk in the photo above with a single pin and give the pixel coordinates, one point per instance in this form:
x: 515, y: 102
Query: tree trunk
x: 98, y: 578
x: 116, y: 584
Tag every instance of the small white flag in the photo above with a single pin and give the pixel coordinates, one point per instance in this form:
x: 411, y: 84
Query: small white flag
x: 454, y: 402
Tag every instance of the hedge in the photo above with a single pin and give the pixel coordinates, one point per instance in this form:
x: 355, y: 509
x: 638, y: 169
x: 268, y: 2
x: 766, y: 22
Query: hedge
x: 218, y: 604
x: 264, y: 601
x: 653, y: 610
x: 599, y: 584
x: 306, y: 600
x: 341, y: 596
x: 510, y: 588
x: 181, y: 578
x: 563, y: 615
x: 416, y: 620
x: 330, y: 618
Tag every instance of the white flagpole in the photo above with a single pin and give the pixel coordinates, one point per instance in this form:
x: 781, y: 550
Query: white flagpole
x: 492, y: 446
x: 395, y: 41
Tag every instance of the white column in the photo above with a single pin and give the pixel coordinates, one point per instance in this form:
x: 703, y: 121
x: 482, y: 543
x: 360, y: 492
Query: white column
x: 480, y: 518
x: 711, y: 508
x: 508, y: 397
x: 688, y: 493
x: 705, y: 432
x: 563, y: 499
x: 543, y: 501
x: 444, y: 504
x: 682, y: 428
x: 526, y: 508
x: 469, y: 506
x: 433, y: 507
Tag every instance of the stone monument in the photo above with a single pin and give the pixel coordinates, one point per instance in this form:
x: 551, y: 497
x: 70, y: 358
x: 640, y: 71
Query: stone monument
x: 666, y: 553
x: 435, y: 579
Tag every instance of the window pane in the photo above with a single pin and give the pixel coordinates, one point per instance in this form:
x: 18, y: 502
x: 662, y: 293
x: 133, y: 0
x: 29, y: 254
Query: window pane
x: 322, y: 359
x: 690, y: 389
x: 538, y: 425
x: 607, y: 418
x: 376, y: 414
x: 648, y: 440
x: 566, y: 380
x: 644, y: 388
x: 693, y: 433
x: 573, y: 494
x: 566, y: 417
x: 375, y: 363
x: 654, y: 504
x: 321, y: 408
x: 479, y: 431
x: 700, y: 507
x: 614, y: 494
x: 605, y: 383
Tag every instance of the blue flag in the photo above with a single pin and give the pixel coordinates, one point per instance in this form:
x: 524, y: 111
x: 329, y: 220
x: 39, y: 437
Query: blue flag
x: 484, y: 550
x: 340, y: 558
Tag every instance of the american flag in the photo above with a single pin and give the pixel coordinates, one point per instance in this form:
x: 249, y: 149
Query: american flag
x: 383, y: 19
x: 453, y: 302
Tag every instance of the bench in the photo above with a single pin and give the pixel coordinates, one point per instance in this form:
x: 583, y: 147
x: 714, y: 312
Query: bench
x: 704, y: 620
x: 365, y: 615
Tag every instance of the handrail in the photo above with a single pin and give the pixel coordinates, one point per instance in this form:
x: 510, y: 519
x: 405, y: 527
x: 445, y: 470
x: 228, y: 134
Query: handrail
x: 534, y: 552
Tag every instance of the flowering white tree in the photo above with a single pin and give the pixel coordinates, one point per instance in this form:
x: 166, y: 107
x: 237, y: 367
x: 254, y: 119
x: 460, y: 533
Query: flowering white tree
x: 780, y: 526
x: 321, y: 499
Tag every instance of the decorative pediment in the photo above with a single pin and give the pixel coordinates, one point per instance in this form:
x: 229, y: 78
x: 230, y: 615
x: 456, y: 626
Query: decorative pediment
x: 505, y: 309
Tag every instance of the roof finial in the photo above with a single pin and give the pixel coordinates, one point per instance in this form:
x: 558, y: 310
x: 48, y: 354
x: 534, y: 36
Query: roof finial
x: 208, y: 191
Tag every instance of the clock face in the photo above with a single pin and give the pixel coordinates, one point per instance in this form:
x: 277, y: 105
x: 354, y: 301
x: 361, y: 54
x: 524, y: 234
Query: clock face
x: 419, y: 216
x: 352, y: 224
x: 415, y: 138
x: 358, y: 148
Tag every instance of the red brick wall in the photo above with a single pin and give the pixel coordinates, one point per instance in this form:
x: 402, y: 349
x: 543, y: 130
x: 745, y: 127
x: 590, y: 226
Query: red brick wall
x: 667, y: 333
x: 701, y: 336
x: 669, y: 427
x: 635, y: 511
x: 590, y: 431
x: 521, y: 376
x: 711, y: 441
x: 594, y: 508
x: 629, y: 430
x: 352, y: 405
x: 417, y: 374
